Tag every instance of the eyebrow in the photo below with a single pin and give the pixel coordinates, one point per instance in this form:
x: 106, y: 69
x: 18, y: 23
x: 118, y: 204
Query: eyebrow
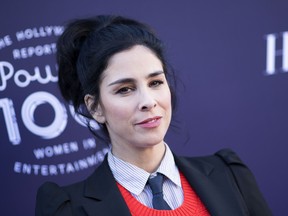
x: 129, y: 80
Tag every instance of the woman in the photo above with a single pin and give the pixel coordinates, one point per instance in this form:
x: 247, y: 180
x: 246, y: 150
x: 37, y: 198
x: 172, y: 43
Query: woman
x: 113, y: 71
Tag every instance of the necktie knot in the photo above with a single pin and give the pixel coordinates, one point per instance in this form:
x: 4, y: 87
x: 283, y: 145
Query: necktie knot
x: 156, y: 184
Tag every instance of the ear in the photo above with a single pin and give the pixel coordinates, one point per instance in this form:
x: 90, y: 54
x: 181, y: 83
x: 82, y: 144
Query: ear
x: 97, y: 113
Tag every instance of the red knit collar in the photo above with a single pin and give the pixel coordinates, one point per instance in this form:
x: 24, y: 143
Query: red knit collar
x: 192, y: 205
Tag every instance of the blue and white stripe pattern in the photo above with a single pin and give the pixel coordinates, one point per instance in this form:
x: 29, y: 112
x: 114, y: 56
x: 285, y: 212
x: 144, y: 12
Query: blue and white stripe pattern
x: 134, y: 179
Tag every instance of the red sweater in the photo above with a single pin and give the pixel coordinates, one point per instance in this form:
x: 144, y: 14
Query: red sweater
x: 191, y: 205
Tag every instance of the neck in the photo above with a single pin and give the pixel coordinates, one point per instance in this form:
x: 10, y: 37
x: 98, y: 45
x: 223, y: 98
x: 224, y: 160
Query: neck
x: 147, y: 159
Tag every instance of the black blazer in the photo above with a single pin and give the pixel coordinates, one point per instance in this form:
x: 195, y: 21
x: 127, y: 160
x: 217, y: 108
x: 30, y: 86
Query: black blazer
x: 223, y: 183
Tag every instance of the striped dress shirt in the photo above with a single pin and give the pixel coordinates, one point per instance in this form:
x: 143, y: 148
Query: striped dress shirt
x: 134, y: 179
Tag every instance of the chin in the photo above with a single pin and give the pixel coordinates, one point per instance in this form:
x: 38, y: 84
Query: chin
x: 153, y: 142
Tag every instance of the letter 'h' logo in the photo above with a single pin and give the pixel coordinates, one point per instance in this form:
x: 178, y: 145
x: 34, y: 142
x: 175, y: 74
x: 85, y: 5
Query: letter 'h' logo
x: 272, y: 53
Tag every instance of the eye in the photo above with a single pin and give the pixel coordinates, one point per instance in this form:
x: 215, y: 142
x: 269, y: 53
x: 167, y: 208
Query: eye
x: 156, y: 83
x: 124, y: 90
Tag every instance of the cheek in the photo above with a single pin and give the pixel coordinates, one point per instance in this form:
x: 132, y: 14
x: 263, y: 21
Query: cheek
x: 167, y: 105
x: 166, y: 99
x: 117, y: 112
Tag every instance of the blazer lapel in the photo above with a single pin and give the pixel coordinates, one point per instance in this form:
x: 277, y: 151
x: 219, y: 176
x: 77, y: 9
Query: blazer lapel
x: 212, y: 186
x: 103, y: 195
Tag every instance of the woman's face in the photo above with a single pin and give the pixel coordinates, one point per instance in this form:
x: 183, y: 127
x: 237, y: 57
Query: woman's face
x: 135, y: 100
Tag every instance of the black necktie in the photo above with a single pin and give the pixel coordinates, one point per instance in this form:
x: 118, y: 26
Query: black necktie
x: 156, y: 184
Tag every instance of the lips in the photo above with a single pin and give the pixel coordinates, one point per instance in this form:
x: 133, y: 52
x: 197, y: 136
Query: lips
x: 150, y: 122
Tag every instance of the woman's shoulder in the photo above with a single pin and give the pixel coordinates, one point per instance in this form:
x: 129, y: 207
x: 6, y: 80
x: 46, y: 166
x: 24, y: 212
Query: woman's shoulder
x: 222, y: 157
x: 52, y: 200
x: 226, y: 156
x: 226, y: 161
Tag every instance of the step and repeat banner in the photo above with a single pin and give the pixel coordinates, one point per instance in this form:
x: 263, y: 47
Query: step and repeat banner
x: 231, y: 66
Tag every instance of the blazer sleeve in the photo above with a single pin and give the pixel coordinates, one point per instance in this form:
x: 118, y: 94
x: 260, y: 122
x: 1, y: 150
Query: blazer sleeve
x: 52, y: 200
x: 246, y: 183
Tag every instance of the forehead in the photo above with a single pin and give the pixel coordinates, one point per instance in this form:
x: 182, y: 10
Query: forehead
x: 137, y: 61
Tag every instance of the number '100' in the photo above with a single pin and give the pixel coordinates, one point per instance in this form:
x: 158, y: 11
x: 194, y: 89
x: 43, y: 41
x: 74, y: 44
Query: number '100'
x: 27, y: 112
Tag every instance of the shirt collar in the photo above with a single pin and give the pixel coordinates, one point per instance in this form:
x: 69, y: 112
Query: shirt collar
x: 168, y: 167
x: 134, y: 178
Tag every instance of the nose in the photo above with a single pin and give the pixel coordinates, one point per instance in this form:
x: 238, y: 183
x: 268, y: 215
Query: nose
x: 146, y: 101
